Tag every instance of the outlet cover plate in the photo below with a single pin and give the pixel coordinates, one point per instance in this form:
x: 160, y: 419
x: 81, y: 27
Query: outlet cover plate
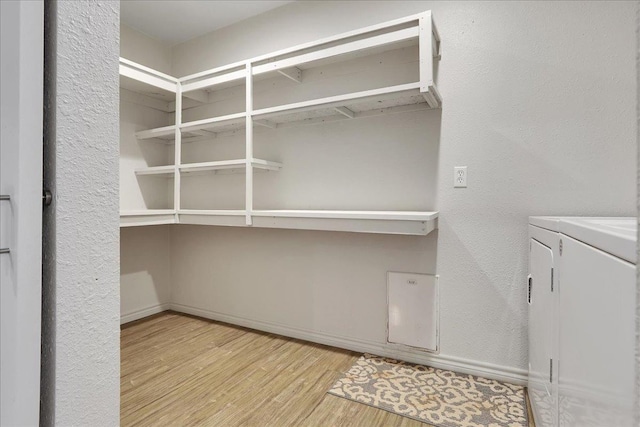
x: 460, y: 177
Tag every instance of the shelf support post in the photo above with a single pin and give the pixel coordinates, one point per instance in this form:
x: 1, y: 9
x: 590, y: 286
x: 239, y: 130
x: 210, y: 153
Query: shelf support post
x: 178, y: 151
x: 427, y: 42
x: 249, y: 147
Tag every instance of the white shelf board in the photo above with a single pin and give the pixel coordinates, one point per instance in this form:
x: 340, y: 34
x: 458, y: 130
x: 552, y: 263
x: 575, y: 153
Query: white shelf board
x: 343, y: 51
x: 358, y: 104
x: 375, y: 36
x: 334, y: 214
x: 134, y: 75
x: 138, y: 218
x: 305, y: 59
x: 238, y: 164
x: 222, y: 123
x: 166, y: 171
x: 376, y: 222
x: 165, y: 132
x: 140, y: 212
x: 226, y: 218
x: 219, y: 212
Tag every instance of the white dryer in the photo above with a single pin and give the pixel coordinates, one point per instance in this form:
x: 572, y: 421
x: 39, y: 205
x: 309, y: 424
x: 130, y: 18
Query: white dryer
x: 582, y: 293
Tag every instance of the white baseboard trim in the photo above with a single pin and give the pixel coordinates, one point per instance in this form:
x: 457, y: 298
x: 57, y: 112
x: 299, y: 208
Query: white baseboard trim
x: 457, y: 364
x: 145, y: 312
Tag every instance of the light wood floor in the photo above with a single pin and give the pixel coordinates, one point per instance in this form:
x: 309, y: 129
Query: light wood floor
x: 178, y: 370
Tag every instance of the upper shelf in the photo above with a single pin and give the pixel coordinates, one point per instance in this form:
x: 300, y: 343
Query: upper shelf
x: 291, y: 64
x: 137, y: 74
x: 407, y: 31
x: 411, y: 30
x: 350, y: 106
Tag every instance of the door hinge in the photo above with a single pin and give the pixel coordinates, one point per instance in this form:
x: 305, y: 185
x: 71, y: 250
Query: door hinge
x: 47, y: 197
x: 551, y: 279
x: 551, y: 370
x: 530, y: 284
x: 560, y: 247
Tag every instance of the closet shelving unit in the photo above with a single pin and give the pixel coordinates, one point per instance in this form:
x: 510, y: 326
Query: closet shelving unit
x: 193, y: 90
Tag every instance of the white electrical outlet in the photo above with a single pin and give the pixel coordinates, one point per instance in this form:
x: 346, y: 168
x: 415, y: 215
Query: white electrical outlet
x: 460, y: 177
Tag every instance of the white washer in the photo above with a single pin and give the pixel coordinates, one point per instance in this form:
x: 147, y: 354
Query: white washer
x: 582, y: 320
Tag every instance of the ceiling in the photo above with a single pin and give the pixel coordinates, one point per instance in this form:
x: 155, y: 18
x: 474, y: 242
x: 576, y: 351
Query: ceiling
x: 176, y: 21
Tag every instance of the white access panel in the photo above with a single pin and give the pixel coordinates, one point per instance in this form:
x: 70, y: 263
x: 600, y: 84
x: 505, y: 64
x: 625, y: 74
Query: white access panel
x: 597, y: 337
x: 413, y: 310
x: 541, y: 333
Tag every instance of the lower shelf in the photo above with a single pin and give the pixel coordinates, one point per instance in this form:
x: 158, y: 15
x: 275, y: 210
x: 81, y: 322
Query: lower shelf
x: 147, y: 217
x: 230, y: 218
x: 376, y: 222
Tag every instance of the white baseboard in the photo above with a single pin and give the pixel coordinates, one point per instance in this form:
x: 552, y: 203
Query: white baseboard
x: 465, y: 366
x: 145, y: 312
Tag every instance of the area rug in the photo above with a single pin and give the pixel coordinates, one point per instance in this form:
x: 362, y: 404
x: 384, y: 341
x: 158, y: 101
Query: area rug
x: 433, y: 396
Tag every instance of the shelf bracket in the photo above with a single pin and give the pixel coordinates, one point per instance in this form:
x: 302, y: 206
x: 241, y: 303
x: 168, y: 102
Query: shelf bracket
x: 429, y: 46
x: 293, y: 73
x: 201, y: 96
x: 266, y: 123
x: 346, y: 112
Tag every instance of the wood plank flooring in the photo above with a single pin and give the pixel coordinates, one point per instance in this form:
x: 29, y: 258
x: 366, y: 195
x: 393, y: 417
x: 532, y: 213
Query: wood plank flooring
x: 178, y: 370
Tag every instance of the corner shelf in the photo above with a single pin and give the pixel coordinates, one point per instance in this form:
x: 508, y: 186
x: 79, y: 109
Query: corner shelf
x: 196, y: 90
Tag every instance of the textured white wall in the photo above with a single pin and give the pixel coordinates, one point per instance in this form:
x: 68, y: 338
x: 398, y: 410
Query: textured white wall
x: 82, y: 297
x: 539, y: 103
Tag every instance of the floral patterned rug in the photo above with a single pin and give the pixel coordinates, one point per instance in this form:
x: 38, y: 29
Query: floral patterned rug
x: 434, y: 396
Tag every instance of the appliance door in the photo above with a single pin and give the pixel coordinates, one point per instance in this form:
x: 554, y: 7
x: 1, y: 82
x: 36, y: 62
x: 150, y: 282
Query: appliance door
x: 597, y: 337
x: 541, y: 334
